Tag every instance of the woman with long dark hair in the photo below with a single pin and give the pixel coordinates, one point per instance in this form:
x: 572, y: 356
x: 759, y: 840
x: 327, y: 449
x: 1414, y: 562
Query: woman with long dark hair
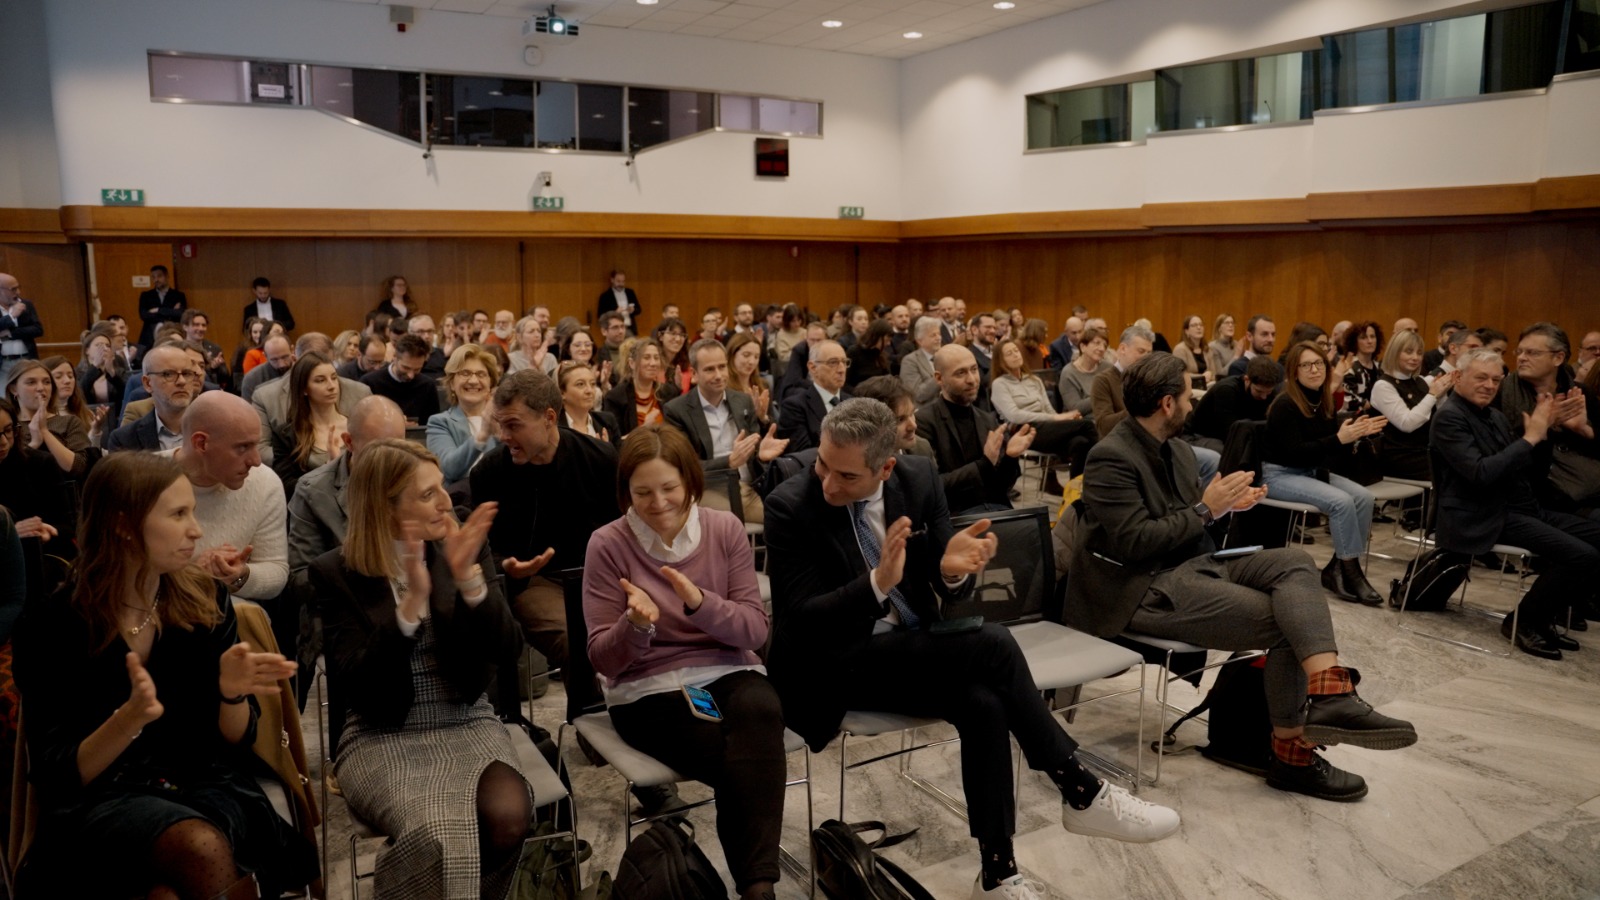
x: 397, y: 300
x: 672, y: 604
x: 32, y: 387
x: 142, y: 711
x: 1364, y: 340
x: 674, y: 338
x: 102, y: 373
x: 1222, y: 350
x: 255, y: 333
x: 1304, y: 433
x: 1191, y: 349
x: 313, y: 433
x: 744, y: 373
x: 1019, y: 396
x: 70, y: 401
x: 792, y: 332
x: 415, y: 624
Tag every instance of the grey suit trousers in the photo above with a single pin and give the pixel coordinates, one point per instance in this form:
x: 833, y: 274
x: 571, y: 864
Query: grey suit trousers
x: 1269, y: 600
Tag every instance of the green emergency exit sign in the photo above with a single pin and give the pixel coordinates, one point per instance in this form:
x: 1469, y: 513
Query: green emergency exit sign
x: 121, y: 197
x: 549, y: 204
x: 852, y: 212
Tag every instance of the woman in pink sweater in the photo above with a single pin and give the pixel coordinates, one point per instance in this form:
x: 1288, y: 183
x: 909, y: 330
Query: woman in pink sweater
x: 671, y: 602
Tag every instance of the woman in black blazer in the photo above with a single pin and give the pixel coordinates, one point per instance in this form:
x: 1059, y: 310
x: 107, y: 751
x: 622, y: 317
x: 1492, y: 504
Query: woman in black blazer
x: 578, y: 395
x: 641, y: 395
x: 416, y: 622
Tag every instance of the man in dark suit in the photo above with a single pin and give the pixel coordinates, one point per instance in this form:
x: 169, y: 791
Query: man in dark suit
x: 977, y: 460
x: 723, y: 428
x: 159, y: 304
x: 855, y: 592
x: 1063, y: 348
x: 1143, y: 562
x: 19, y: 326
x: 804, y: 408
x: 621, y: 298
x: 1486, y: 496
x: 266, y: 306
x: 173, y: 381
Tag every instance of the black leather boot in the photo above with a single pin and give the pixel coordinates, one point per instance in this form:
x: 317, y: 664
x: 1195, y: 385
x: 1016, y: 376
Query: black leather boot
x: 1332, y: 582
x: 1321, y: 779
x: 1355, y: 584
x: 1530, y: 640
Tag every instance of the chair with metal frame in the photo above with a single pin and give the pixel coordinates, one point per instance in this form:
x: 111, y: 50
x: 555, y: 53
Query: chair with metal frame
x: 1165, y: 651
x: 1018, y: 591
x: 587, y: 715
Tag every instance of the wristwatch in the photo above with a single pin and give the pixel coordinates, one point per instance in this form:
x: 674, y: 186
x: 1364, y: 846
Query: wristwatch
x: 238, y: 583
x: 1204, y: 512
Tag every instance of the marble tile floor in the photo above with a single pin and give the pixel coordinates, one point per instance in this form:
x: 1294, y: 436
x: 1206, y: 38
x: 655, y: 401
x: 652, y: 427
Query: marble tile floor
x: 1500, y: 798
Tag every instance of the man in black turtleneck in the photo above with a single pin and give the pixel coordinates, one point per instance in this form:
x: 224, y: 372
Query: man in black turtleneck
x: 977, y: 458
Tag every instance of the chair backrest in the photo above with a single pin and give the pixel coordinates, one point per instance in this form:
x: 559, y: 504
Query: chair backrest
x: 1242, y: 452
x: 579, y: 678
x: 417, y: 434
x: 1019, y: 583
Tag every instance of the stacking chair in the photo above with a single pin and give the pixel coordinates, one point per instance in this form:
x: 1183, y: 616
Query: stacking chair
x: 587, y: 714
x: 1170, y: 654
x: 1396, y: 490
x: 1016, y: 590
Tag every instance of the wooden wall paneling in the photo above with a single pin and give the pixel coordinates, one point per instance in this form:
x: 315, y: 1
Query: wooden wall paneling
x: 1467, y: 280
x: 1378, y: 274
x: 52, y: 276
x: 1578, y: 288
x: 116, y: 264
x: 878, y: 274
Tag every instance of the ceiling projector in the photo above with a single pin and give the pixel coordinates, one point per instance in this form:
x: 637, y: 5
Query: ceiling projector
x: 549, y: 26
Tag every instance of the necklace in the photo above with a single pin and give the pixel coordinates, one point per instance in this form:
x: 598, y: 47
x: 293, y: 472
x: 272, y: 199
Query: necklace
x: 149, y: 616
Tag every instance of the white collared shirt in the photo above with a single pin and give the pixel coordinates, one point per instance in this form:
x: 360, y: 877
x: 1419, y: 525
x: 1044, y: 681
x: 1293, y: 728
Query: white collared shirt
x: 827, y: 398
x: 719, y: 421
x: 686, y: 542
x: 264, y: 309
x: 167, y: 438
x: 623, y: 306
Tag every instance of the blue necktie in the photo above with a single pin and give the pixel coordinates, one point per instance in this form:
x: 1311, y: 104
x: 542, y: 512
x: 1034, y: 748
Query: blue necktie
x: 871, y: 549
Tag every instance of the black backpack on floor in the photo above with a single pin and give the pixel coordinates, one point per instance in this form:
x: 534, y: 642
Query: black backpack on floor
x: 1239, y: 729
x: 848, y: 868
x: 665, y: 863
x: 1432, y: 580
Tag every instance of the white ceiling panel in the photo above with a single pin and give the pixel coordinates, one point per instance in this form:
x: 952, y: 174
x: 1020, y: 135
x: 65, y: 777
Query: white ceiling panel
x: 871, y: 27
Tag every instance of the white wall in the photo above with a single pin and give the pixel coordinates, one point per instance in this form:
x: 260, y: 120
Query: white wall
x: 29, y: 174
x: 962, y: 115
x: 111, y: 135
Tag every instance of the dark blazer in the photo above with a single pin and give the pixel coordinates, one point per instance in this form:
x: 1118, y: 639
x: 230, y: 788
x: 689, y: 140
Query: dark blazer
x: 618, y: 404
x: 603, y: 419
x: 369, y: 660
x: 823, y: 605
x: 280, y: 313
x: 1137, y: 521
x: 967, y: 482
x: 139, y: 435
x: 1481, y: 473
x: 25, y: 328
x: 387, y: 307
x: 800, y: 416
x: 155, y: 309
x: 608, y: 302
x: 1061, y: 353
x: 685, y: 413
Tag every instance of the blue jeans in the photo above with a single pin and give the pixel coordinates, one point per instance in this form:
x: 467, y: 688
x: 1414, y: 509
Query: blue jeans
x: 1347, y: 505
x: 1209, y: 462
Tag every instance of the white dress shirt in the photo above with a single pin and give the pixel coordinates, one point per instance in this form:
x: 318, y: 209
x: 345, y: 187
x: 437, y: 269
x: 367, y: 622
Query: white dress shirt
x: 264, y: 309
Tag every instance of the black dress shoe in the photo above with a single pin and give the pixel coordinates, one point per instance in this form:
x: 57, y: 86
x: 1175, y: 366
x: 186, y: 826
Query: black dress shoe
x: 1320, y: 779
x: 1355, y: 583
x: 1348, y: 719
x: 1560, y: 641
x: 1530, y: 642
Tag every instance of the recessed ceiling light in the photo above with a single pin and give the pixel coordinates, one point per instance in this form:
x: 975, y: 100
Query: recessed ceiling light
x: 1005, y: 4
x: 912, y: 35
x: 344, y: 84
x: 598, y: 116
x: 648, y: 2
x: 469, y: 106
x: 497, y: 93
x: 655, y: 121
x: 692, y: 112
x: 833, y: 23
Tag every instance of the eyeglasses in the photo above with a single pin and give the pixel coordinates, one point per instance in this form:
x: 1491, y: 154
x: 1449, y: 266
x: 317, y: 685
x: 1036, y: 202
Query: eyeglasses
x: 1591, y: 348
x: 176, y: 376
x: 1535, y: 354
x: 1313, y: 365
x: 475, y: 376
x: 9, y: 432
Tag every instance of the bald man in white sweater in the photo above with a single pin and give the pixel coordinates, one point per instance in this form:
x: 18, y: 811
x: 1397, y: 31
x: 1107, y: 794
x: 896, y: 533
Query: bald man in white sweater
x: 239, y: 503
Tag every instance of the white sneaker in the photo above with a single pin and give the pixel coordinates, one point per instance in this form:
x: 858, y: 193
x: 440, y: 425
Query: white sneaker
x: 1014, y: 888
x: 1121, y: 816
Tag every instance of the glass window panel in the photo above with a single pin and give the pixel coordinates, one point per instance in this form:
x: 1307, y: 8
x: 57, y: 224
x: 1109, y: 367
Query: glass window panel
x: 556, y: 114
x: 656, y: 116
x: 274, y: 83
x: 600, y: 117
x: 1450, y: 58
x: 1096, y: 115
x: 1582, y: 52
x: 788, y: 117
x: 388, y: 101
x: 1283, y: 92
x: 1355, y: 69
x: 1209, y: 95
x: 737, y: 112
x: 1522, y: 47
x: 198, y: 79
x: 1142, y: 100
x: 481, y: 112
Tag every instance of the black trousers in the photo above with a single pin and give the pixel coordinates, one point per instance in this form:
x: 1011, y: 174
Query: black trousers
x: 1070, y: 441
x: 978, y: 682
x: 741, y: 758
x: 1568, y: 550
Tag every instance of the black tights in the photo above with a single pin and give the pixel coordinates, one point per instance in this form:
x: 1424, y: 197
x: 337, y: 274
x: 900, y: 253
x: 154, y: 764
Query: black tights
x: 504, y: 811
x: 194, y: 861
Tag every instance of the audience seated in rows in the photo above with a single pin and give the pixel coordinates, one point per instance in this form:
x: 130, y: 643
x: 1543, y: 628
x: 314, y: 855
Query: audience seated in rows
x: 800, y: 419
x: 640, y: 397
x: 1143, y: 561
x: 1236, y: 398
x: 1019, y: 396
x: 61, y: 437
x: 33, y: 488
x: 272, y: 400
x: 403, y: 382
x: 671, y: 603
x: 850, y: 632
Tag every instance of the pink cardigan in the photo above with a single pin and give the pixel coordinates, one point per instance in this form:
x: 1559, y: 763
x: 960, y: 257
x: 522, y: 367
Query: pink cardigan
x: 727, y: 629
